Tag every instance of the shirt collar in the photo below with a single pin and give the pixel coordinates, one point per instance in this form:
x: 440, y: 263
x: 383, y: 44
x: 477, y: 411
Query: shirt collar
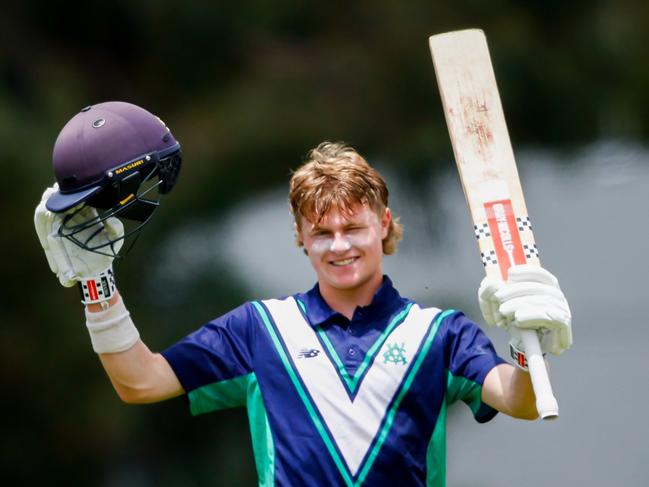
x: 318, y: 311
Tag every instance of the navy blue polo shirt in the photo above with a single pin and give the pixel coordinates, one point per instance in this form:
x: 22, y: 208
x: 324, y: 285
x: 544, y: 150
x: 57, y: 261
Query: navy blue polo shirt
x: 333, y: 401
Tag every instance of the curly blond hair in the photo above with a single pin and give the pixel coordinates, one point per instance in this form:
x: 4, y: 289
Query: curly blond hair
x: 336, y: 175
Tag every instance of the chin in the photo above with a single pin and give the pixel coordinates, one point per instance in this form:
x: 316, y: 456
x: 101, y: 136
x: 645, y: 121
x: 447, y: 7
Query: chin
x: 348, y: 283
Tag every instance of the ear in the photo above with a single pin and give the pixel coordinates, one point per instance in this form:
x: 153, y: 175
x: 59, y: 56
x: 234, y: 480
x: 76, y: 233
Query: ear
x: 386, y: 218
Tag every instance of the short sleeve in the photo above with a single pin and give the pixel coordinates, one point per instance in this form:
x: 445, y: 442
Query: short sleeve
x: 470, y: 356
x: 214, y: 363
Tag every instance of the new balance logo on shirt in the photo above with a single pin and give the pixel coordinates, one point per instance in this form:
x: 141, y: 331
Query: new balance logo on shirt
x: 308, y: 353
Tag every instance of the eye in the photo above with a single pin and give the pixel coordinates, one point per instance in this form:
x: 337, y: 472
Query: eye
x: 355, y: 228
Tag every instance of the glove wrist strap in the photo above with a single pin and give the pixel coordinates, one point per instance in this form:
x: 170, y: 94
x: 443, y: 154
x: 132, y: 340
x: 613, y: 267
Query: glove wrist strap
x: 98, y: 289
x: 518, y: 356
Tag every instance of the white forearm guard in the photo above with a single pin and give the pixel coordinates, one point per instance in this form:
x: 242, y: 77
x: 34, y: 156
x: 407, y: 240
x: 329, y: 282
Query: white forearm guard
x: 112, y: 330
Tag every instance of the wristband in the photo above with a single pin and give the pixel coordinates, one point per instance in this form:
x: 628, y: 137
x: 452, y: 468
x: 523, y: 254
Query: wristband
x: 111, y: 330
x: 98, y: 289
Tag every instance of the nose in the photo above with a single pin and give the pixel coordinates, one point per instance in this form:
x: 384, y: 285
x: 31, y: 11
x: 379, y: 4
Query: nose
x: 340, y: 244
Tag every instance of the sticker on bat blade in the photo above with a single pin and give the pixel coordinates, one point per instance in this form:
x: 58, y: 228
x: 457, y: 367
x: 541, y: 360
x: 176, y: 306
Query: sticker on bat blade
x: 531, y: 251
x: 504, y: 232
x: 524, y: 223
x: 481, y: 231
x: 489, y: 258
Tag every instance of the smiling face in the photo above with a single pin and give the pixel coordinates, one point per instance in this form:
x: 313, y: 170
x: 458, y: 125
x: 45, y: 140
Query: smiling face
x: 345, y: 248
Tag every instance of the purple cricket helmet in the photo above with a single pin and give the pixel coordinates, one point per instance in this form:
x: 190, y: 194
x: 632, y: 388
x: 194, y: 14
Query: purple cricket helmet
x: 116, y: 157
x: 99, y: 139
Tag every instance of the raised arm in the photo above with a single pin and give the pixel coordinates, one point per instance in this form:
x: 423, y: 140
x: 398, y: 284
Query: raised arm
x: 138, y: 375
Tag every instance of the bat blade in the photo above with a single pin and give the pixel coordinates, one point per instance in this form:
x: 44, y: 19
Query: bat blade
x: 487, y: 168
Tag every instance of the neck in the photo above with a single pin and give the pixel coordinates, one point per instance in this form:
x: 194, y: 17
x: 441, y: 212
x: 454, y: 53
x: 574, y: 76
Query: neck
x: 345, y: 301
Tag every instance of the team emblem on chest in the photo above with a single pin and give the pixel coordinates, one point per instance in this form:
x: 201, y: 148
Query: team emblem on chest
x: 395, y: 354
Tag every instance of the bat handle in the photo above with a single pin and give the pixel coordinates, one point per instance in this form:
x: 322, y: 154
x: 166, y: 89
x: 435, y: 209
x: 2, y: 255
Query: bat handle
x: 546, y: 404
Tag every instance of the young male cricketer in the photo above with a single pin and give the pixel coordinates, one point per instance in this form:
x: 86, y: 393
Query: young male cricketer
x: 347, y: 383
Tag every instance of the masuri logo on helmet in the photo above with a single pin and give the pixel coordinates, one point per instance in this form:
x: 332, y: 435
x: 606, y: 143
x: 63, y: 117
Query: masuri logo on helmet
x: 117, y: 158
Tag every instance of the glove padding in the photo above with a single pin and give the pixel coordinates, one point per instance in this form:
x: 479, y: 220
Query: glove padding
x: 67, y: 260
x: 530, y: 299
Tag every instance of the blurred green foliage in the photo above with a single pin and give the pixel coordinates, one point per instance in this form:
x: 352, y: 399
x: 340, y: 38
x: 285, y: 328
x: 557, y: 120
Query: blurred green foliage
x: 247, y: 87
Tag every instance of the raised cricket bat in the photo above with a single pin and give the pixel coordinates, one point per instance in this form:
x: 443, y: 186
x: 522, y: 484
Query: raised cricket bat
x: 485, y: 160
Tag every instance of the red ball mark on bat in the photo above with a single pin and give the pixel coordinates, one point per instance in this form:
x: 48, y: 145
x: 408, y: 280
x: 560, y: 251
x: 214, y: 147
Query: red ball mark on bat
x: 476, y: 122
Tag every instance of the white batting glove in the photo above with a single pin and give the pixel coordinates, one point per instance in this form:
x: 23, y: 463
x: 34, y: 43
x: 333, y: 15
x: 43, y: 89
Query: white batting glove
x: 67, y: 260
x: 530, y: 299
